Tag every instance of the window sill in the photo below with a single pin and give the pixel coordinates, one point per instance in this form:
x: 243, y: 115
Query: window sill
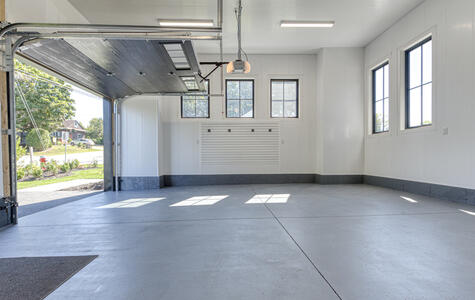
x: 420, y: 129
x: 379, y: 134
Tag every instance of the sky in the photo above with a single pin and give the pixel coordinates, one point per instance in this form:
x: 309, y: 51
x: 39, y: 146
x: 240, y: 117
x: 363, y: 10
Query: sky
x: 88, y: 106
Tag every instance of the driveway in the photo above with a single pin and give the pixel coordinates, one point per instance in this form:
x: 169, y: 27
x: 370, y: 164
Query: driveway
x: 33, y: 202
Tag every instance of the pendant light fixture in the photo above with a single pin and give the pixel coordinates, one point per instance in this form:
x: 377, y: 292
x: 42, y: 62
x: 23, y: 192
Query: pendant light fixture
x: 239, y: 65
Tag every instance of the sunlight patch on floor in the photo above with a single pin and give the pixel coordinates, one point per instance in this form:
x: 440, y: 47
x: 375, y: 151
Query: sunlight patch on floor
x: 269, y: 198
x: 129, y: 203
x: 467, y: 212
x: 409, y: 199
x: 200, y: 201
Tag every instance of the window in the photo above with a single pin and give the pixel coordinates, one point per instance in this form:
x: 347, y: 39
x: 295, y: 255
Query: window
x: 195, y: 105
x: 381, y: 98
x: 240, y: 98
x: 284, y: 98
x: 419, y: 84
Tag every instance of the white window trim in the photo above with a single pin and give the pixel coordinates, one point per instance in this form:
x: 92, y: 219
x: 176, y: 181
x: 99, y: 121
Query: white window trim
x: 432, y: 32
x: 256, y: 96
x: 369, y: 102
x: 300, y: 103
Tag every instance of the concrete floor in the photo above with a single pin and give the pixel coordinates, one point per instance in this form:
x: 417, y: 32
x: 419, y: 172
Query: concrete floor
x: 325, y: 242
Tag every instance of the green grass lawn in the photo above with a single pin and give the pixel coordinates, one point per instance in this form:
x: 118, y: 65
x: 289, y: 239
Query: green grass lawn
x: 59, y: 150
x: 97, y: 173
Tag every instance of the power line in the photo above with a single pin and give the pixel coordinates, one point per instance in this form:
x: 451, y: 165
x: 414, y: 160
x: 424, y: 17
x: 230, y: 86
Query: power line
x: 30, y: 114
x: 42, y: 79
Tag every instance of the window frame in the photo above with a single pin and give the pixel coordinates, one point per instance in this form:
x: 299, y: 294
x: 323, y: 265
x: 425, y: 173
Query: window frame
x: 196, y: 94
x: 407, y: 79
x: 373, y: 97
x: 283, y: 101
x: 253, y: 98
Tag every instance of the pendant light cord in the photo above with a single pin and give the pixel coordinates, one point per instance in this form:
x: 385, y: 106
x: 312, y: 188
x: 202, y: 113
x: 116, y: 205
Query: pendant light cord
x: 238, y: 12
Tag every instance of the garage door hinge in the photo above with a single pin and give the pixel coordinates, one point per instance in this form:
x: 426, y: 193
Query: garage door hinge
x: 7, y: 132
x: 9, y: 201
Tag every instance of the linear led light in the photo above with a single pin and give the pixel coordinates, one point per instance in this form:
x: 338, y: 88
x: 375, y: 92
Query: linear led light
x: 307, y: 24
x: 186, y: 23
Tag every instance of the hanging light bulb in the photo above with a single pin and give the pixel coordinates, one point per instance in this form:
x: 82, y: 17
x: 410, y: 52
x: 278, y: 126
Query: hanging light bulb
x: 238, y: 66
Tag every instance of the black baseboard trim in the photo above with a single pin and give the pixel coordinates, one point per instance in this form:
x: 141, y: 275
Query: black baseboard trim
x: 443, y: 192
x: 132, y: 183
x: 338, y: 179
x: 188, y: 180
x: 129, y: 183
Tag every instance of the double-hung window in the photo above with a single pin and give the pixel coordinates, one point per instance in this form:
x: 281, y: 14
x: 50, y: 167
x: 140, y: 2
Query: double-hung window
x: 196, y: 105
x: 240, y: 98
x: 284, y: 98
x: 419, y: 84
x: 381, y: 98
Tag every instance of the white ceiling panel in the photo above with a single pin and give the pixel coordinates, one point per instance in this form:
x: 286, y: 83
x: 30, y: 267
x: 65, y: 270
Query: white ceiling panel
x: 357, y: 21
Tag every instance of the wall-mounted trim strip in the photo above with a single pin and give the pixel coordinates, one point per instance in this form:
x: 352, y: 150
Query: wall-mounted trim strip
x: 145, y: 183
x: 443, y: 192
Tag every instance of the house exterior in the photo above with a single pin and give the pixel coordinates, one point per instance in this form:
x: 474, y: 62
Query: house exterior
x: 71, y: 129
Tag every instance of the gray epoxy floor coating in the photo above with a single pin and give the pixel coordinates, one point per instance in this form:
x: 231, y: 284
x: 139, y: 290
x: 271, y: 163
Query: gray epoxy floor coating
x: 307, y: 242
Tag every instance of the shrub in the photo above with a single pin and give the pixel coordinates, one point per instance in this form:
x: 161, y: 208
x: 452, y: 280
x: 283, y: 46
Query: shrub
x: 65, y: 167
x: 32, y: 139
x: 94, y: 163
x: 20, y: 151
x: 74, y: 164
x: 29, y: 169
x: 20, y: 173
x: 37, y: 172
x: 52, y: 167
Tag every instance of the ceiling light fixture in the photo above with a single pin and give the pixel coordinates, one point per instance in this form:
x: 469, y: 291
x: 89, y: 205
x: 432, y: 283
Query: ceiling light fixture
x: 186, y: 23
x: 239, y: 65
x: 307, y: 24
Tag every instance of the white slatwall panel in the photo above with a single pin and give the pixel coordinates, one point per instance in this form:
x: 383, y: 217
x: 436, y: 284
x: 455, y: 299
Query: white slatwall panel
x: 240, y: 147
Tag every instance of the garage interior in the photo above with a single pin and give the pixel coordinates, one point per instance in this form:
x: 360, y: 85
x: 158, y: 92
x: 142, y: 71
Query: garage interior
x: 253, y: 150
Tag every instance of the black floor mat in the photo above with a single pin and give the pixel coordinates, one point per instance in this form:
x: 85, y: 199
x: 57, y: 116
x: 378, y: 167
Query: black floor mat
x: 36, y: 277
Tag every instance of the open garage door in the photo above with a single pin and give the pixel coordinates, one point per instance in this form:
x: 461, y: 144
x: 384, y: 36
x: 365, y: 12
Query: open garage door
x: 113, y: 61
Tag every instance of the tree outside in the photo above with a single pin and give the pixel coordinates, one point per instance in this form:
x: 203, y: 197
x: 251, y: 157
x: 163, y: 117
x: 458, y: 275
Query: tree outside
x: 48, y: 100
x: 95, y: 131
x: 39, y: 139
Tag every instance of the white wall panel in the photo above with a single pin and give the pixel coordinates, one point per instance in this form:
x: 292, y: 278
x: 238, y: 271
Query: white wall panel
x: 429, y: 155
x: 139, y: 136
x: 340, y: 125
